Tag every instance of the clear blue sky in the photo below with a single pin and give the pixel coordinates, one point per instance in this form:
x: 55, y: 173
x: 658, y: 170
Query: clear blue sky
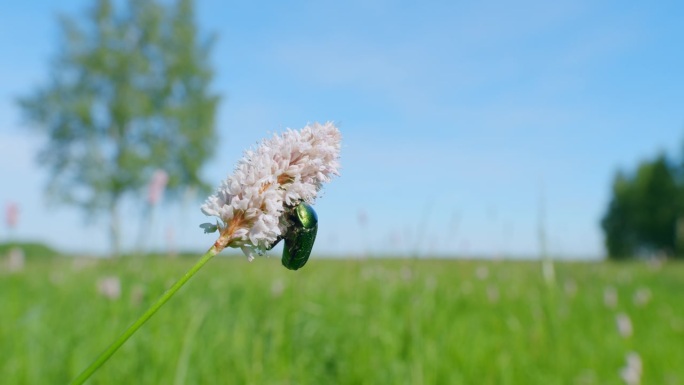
x: 455, y: 115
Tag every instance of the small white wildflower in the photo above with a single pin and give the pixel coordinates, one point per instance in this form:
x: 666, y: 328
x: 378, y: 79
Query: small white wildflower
x: 610, y: 297
x: 631, y: 373
x: 110, y: 287
x: 281, y: 172
x: 642, y: 296
x: 624, y: 325
x: 16, y: 260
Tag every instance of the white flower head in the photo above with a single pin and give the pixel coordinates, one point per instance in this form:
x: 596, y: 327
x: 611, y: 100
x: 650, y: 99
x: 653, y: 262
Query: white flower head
x: 632, y: 371
x: 281, y: 172
x: 624, y: 325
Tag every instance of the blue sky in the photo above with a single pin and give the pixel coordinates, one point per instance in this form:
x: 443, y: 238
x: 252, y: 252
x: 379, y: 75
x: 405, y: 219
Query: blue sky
x: 457, y: 117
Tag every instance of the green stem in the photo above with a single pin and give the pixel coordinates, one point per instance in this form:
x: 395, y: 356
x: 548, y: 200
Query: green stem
x: 104, y: 356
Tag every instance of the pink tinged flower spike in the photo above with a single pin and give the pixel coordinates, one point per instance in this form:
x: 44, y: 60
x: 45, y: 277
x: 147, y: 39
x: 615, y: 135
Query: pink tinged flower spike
x: 156, y: 187
x: 12, y: 214
x: 109, y: 287
x: 280, y: 173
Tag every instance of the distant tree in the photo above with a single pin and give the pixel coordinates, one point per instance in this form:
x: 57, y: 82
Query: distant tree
x: 644, y: 211
x: 129, y: 94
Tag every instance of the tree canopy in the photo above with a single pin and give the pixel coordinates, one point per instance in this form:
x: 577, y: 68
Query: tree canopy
x: 645, y: 213
x: 129, y: 93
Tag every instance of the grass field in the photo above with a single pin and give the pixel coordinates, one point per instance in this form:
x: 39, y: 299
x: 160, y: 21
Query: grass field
x: 344, y: 322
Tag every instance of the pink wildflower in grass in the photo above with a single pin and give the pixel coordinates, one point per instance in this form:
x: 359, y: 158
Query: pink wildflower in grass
x: 624, y: 325
x: 156, y: 187
x: 642, y: 297
x: 109, y: 287
x: 12, y: 215
x: 610, y: 297
x: 633, y: 369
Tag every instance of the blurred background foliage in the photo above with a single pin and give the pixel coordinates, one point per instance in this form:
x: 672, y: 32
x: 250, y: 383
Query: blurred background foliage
x: 129, y: 93
x: 645, y: 216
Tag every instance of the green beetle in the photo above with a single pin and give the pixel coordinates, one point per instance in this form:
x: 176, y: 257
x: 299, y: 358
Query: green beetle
x: 299, y: 237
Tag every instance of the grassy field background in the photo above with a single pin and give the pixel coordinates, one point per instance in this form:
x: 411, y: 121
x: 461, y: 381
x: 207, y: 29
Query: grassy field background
x: 379, y: 321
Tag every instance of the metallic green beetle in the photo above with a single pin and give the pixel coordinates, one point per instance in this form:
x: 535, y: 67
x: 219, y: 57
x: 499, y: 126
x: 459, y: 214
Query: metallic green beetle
x: 300, y: 236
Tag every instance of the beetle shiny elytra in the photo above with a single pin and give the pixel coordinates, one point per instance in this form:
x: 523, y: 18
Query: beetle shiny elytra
x: 299, y: 237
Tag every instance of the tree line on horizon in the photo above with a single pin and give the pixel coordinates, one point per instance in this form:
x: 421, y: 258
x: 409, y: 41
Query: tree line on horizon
x: 645, y: 216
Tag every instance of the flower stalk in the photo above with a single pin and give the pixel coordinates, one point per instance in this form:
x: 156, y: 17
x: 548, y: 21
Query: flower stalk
x: 104, y: 356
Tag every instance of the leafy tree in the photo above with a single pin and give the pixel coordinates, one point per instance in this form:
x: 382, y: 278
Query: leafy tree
x: 129, y: 94
x: 644, y: 211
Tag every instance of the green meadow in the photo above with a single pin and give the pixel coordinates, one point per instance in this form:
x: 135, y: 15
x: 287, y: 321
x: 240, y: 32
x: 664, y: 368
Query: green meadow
x: 373, y: 321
